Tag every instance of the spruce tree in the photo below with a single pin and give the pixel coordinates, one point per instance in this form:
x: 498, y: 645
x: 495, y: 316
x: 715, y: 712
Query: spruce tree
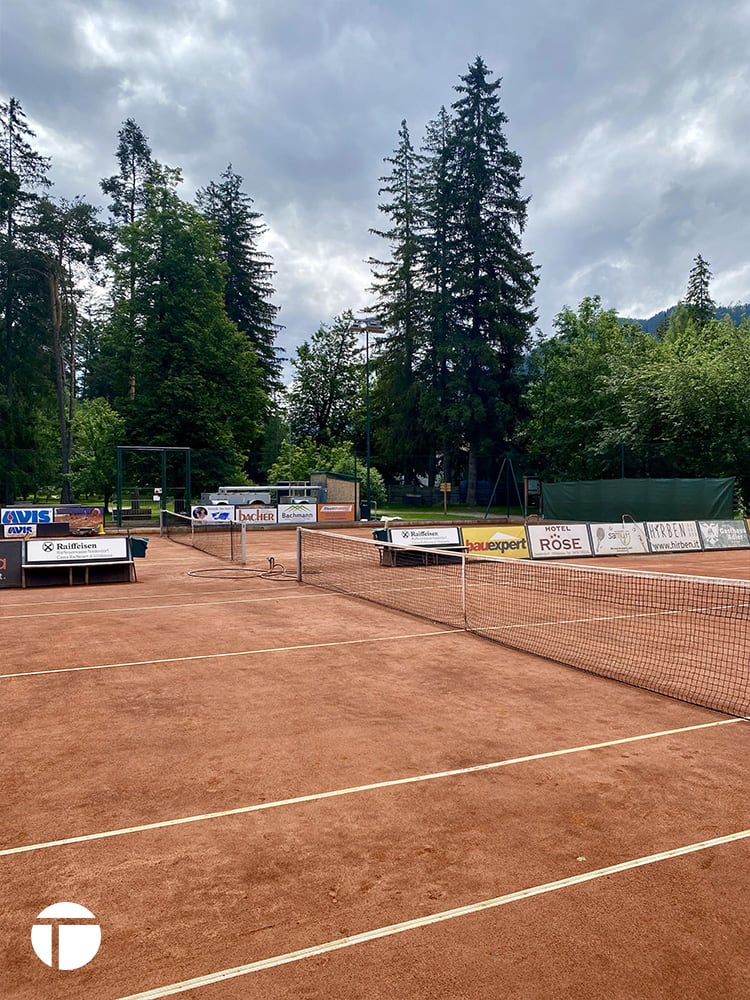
x: 698, y: 300
x: 249, y: 287
x: 493, y: 278
x: 400, y: 308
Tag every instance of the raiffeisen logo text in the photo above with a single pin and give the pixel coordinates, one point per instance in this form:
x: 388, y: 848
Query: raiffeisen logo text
x: 66, y: 936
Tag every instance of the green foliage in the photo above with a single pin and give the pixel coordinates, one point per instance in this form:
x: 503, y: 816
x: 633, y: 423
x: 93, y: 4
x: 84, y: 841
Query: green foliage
x: 327, y: 388
x: 97, y: 429
x: 297, y: 461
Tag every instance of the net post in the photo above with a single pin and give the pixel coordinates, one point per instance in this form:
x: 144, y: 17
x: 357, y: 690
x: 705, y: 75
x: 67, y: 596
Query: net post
x: 243, y: 543
x: 161, y: 522
x: 463, y: 591
x: 299, y: 555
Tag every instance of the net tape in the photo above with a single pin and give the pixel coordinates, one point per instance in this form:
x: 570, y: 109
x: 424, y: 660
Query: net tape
x: 683, y: 636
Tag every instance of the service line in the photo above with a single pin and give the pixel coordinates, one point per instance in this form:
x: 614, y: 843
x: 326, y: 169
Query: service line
x: 357, y: 789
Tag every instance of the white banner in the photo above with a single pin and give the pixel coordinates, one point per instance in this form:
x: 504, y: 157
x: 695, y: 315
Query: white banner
x: 553, y: 541
x: 425, y: 536
x: 211, y: 515
x: 62, y: 550
x: 256, y: 515
x: 673, y: 536
x: 297, y: 513
x: 619, y: 538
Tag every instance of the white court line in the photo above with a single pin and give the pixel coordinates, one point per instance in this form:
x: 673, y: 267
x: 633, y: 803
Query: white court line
x: 120, y: 597
x: 161, y: 607
x: 357, y: 789
x: 223, y: 656
x: 431, y: 918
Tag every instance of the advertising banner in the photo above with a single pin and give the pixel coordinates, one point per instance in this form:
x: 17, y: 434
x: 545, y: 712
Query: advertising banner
x: 210, y: 515
x: 81, y: 520
x: 673, y: 536
x: 619, y: 538
x: 297, y: 513
x: 497, y: 543
x: 26, y: 515
x: 335, y: 511
x: 256, y: 514
x: 554, y: 541
x: 11, y: 556
x: 425, y: 536
x: 19, y: 531
x: 66, y: 550
x: 723, y: 534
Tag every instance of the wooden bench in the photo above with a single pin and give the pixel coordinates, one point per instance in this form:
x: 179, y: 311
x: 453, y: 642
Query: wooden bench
x: 56, y: 572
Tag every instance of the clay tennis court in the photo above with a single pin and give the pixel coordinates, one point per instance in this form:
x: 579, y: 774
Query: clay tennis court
x: 266, y: 790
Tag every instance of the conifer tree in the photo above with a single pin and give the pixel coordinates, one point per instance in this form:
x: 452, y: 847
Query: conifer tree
x: 493, y: 278
x: 249, y: 287
x: 401, y: 303
x: 698, y: 300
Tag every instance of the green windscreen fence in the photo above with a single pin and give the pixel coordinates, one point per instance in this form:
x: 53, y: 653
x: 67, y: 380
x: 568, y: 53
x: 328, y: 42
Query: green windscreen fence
x: 642, y: 499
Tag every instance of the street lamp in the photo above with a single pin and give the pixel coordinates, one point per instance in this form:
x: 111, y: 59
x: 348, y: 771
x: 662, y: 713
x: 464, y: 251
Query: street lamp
x: 367, y: 327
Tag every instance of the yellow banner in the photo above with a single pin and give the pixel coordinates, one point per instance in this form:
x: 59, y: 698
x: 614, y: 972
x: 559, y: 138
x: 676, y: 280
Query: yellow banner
x: 498, y: 543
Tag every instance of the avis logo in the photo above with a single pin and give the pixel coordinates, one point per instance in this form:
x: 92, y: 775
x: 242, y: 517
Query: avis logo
x: 18, y: 516
x: 66, y: 936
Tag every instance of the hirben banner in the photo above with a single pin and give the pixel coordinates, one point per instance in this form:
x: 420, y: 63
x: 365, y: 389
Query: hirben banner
x: 497, y: 543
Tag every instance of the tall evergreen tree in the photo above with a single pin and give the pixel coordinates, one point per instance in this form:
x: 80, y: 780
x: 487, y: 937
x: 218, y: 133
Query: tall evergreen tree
x: 249, y: 287
x: 24, y: 367
x: 398, y: 287
x: 127, y: 188
x: 189, y: 377
x: 493, y: 279
x: 701, y: 306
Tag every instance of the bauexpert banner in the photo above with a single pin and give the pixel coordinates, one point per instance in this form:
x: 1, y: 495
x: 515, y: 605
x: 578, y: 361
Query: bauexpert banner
x: 497, y: 543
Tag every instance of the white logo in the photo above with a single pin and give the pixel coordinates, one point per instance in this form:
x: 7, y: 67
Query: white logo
x: 66, y: 936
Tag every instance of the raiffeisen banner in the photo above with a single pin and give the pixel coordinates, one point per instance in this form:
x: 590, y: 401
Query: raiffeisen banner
x: 497, y: 543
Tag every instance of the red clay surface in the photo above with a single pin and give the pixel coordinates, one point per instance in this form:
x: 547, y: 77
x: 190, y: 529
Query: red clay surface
x: 134, y: 705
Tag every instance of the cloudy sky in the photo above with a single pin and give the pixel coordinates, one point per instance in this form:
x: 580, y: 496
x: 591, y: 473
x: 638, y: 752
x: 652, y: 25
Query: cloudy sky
x: 632, y: 120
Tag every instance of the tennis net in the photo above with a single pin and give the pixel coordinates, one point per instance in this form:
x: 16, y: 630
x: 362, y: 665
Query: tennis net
x: 223, y: 539
x: 683, y: 636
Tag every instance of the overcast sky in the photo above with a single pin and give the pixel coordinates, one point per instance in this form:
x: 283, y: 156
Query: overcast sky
x: 632, y: 119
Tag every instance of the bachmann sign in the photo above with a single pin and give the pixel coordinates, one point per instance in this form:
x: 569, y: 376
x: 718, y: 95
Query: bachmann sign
x: 65, y: 550
x: 297, y: 513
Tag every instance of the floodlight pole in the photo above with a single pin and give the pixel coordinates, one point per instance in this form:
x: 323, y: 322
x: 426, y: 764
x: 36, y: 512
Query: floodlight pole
x: 367, y: 326
x: 368, y: 506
